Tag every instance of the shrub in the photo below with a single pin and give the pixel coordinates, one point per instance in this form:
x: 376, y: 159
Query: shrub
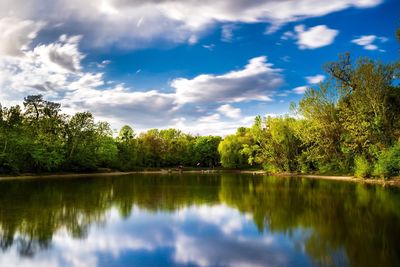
x: 270, y: 168
x: 304, y: 163
x: 362, y: 168
x: 388, y: 164
x: 331, y: 168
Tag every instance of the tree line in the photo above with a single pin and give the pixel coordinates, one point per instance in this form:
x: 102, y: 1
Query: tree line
x: 38, y: 137
x: 350, y: 124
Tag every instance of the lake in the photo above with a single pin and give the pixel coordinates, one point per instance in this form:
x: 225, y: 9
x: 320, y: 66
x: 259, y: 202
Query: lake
x: 197, y: 220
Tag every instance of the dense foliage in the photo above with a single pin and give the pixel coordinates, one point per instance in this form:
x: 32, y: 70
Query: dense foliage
x: 40, y: 138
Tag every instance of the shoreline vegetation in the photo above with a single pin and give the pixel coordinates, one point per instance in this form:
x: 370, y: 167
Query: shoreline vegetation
x: 394, y: 181
x: 347, y: 125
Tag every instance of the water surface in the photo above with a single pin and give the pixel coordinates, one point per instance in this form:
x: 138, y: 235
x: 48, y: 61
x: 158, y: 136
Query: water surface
x: 197, y: 220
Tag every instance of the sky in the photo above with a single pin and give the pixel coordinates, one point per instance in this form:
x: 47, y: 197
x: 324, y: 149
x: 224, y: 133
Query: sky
x: 205, y: 67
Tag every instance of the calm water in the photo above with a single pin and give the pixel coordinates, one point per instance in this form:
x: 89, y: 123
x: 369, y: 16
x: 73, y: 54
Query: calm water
x: 198, y: 220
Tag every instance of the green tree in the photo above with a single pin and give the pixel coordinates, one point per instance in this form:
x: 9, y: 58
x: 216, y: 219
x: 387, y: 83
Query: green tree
x: 128, y: 152
x: 368, y: 105
x: 174, y: 147
x: 46, y: 126
x: 231, y: 149
x: 14, y: 141
x: 276, y: 146
x: 81, y: 141
x: 106, y: 149
x: 150, y: 146
x: 34, y: 106
x: 206, y: 151
x: 126, y: 133
x: 355, y: 113
x: 322, y: 137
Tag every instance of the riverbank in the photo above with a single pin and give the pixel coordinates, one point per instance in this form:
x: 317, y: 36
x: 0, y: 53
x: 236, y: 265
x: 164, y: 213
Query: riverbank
x: 392, y: 182
x: 105, y: 173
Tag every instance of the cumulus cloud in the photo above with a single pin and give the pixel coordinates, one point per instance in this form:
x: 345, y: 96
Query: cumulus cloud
x: 299, y: 90
x: 120, y: 105
x: 30, y: 75
x: 16, y: 35
x: 314, y: 37
x: 63, y: 54
x: 229, y: 111
x: 369, y: 42
x: 136, y: 23
x: 212, y: 124
x: 315, y: 79
x: 50, y: 69
x: 311, y: 80
x: 311, y: 38
x: 55, y: 70
x: 256, y: 81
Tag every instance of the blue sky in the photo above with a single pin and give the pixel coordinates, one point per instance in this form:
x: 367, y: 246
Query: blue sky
x: 204, y: 67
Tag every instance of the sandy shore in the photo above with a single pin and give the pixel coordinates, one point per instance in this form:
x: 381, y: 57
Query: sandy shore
x: 391, y: 182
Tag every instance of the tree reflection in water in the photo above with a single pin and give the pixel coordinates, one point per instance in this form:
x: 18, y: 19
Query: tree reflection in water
x: 339, y: 223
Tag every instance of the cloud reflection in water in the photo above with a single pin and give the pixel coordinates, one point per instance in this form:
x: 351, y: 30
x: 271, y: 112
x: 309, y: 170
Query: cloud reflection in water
x: 193, y: 236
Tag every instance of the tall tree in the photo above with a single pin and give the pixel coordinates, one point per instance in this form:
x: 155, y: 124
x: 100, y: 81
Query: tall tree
x: 80, y: 133
x: 206, y: 151
x: 128, y: 154
x: 231, y: 149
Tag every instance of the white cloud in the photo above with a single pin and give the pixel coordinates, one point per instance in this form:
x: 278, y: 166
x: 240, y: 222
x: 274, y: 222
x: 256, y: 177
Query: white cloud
x: 136, y: 23
x: 315, y: 79
x: 314, y: 37
x: 153, y: 108
x: 229, y: 111
x: 256, y: 81
x: 299, y: 90
x: 63, y: 54
x: 16, y: 35
x: 311, y: 80
x: 210, y: 118
x: 368, y: 42
x: 120, y: 105
x: 212, y: 124
x: 55, y: 71
x: 282, y: 12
